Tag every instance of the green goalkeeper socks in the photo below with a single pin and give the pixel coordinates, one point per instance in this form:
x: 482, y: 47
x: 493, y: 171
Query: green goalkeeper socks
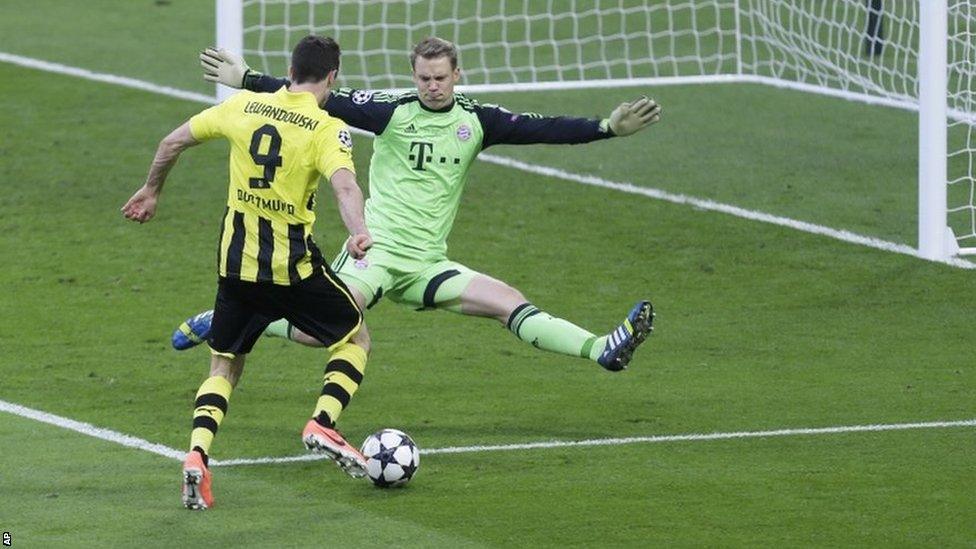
x: 594, y: 348
x: 549, y: 333
x: 279, y: 328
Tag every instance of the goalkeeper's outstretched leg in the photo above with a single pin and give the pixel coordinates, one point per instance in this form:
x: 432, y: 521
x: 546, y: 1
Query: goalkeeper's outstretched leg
x: 624, y: 340
x: 486, y: 296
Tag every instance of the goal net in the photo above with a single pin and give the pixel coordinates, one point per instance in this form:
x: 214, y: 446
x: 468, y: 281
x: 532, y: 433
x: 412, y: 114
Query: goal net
x: 866, y: 50
x: 505, y: 41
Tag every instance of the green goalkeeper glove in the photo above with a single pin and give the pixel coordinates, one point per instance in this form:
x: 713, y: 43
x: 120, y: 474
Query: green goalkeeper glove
x: 630, y: 118
x: 220, y: 65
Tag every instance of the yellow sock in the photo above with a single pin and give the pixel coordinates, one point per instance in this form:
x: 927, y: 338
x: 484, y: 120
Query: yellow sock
x: 209, y: 411
x: 343, y: 374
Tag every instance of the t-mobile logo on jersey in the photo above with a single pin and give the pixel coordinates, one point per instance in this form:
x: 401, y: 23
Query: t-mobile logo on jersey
x: 422, y: 152
x: 422, y: 155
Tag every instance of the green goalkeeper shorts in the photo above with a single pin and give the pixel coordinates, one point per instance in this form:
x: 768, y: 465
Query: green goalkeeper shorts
x: 420, y: 284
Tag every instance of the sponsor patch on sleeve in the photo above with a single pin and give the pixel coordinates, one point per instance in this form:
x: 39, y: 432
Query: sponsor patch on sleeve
x: 360, y: 97
x: 344, y: 138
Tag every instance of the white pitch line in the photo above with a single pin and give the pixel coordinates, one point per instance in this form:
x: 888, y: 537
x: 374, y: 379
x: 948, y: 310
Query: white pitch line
x: 642, y: 440
x: 658, y: 194
x: 172, y: 453
x: 707, y: 436
x: 127, y: 82
x: 91, y: 430
x: 270, y: 460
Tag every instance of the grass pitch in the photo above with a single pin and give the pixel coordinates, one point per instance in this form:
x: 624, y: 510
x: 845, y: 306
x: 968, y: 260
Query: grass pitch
x: 759, y: 327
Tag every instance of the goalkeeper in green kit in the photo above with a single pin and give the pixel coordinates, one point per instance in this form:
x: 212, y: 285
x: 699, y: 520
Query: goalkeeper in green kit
x: 425, y: 143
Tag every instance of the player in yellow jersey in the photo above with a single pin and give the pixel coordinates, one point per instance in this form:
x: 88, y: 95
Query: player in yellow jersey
x: 426, y: 140
x: 268, y: 265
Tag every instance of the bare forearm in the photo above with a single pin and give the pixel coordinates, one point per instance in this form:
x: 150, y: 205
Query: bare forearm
x: 142, y: 206
x: 350, y: 200
x: 349, y: 197
x: 167, y: 154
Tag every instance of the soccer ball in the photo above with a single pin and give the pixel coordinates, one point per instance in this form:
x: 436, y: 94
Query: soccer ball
x: 391, y: 457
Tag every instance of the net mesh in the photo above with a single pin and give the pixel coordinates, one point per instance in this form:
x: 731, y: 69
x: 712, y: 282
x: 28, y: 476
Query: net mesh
x: 962, y: 106
x: 504, y: 41
x: 825, y: 45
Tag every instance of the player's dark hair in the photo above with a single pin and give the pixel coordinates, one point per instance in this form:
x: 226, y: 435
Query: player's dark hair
x: 313, y: 58
x: 433, y: 47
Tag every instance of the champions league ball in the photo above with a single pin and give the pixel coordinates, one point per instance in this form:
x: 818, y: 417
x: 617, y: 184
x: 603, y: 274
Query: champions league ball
x: 391, y: 457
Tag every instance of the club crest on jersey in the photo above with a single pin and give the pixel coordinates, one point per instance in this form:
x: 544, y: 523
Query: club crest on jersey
x: 345, y: 139
x: 464, y: 132
x: 360, y: 97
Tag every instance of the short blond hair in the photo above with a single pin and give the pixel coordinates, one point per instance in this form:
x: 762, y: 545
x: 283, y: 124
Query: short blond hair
x: 433, y: 47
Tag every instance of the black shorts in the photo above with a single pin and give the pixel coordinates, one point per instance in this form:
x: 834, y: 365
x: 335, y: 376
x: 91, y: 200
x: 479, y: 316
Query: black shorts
x: 321, y: 306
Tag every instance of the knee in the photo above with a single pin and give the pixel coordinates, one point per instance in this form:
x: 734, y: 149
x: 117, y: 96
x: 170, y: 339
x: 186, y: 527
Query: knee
x: 486, y: 296
x: 227, y: 367
x: 516, y: 297
x: 361, y: 338
x: 510, y: 299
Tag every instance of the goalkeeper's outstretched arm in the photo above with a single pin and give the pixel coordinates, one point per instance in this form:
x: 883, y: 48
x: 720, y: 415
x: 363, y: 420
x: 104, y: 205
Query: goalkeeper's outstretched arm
x: 224, y: 67
x: 230, y: 69
x: 503, y: 127
x: 369, y: 112
x: 629, y: 118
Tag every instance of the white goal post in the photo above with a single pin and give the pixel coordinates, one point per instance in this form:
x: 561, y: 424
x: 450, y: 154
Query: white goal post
x: 911, y: 54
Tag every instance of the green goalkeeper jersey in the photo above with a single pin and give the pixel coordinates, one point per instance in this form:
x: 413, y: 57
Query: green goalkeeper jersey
x: 421, y: 157
x: 417, y: 174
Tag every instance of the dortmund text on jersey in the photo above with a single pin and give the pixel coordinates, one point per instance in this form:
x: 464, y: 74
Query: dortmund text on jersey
x: 280, y: 144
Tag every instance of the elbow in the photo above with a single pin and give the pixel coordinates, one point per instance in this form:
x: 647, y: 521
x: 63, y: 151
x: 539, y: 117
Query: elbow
x: 171, y: 145
x: 167, y: 153
x: 344, y: 184
x: 178, y: 140
x: 346, y: 192
x: 166, y: 148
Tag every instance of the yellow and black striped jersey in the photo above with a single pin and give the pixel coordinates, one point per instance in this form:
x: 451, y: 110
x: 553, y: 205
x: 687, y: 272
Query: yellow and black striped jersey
x: 280, y: 144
